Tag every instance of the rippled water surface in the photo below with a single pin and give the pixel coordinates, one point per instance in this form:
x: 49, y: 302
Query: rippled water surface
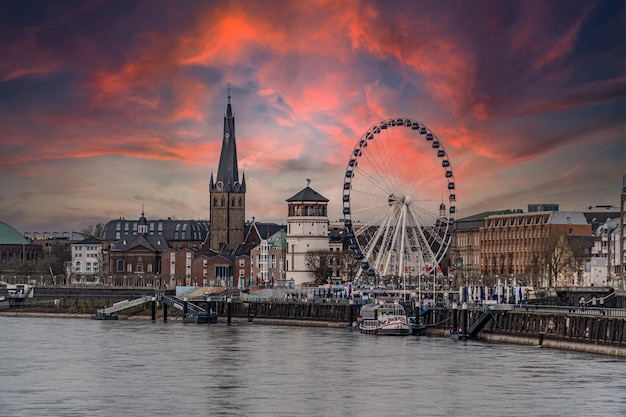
x: 73, y: 367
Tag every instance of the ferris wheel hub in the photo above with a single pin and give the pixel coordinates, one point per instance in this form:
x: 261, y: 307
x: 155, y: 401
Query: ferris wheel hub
x: 408, y: 200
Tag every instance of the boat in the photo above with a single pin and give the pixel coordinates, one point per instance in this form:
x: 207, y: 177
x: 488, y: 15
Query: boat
x: 384, y: 319
x: 201, y: 318
x: 103, y: 316
x: 418, y: 328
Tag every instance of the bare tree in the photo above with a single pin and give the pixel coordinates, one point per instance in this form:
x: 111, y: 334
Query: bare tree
x: 320, y: 264
x: 350, y: 265
x: 580, y: 247
x: 556, y: 256
x: 93, y: 230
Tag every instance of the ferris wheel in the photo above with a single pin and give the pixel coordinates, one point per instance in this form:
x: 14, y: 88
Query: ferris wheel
x: 399, y: 200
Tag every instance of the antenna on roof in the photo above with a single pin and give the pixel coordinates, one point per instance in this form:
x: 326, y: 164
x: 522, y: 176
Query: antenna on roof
x: 228, y: 93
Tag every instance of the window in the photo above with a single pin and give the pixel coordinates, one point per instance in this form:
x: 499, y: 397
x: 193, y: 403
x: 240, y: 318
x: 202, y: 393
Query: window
x: 241, y: 262
x: 223, y: 271
x: 120, y: 265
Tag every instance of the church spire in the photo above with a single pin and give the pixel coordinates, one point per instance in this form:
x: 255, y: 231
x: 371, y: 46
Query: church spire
x: 228, y: 172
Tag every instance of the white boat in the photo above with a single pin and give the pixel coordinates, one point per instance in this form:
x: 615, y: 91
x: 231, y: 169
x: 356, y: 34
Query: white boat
x: 384, y: 319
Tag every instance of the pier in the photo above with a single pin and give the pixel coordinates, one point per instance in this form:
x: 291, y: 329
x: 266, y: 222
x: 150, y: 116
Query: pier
x: 599, y: 329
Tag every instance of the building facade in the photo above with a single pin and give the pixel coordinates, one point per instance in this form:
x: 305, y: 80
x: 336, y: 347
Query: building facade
x: 16, y: 248
x: 268, y: 261
x: 622, y: 243
x: 307, y: 230
x: 464, y: 250
x: 517, y: 244
x: 135, y: 246
x: 86, y: 257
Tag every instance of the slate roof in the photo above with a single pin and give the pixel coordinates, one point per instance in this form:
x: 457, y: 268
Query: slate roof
x: 309, y: 195
x: 233, y: 250
x: 90, y: 241
x: 481, y: 216
x: 566, y: 217
x: 265, y: 230
x: 171, y: 230
x: 153, y: 243
x: 278, y: 240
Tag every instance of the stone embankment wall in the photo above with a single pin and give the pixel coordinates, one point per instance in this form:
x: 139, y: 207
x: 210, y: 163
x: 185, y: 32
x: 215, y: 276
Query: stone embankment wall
x: 563, y: 330
x: 309, y: 311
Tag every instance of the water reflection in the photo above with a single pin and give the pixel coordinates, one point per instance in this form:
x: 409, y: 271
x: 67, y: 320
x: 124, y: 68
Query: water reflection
x: 59, y: 367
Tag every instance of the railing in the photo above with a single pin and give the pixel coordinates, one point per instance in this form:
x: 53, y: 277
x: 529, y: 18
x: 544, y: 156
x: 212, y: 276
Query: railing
x: 125, y: 304
x: 588, y: 311
x: 177, y: 303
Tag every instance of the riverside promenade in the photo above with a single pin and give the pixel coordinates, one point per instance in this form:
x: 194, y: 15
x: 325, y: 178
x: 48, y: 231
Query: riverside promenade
x: 587, y: 329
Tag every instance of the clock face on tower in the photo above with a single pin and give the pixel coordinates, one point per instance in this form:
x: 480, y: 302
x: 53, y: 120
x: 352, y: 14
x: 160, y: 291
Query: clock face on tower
x: 227, y: 135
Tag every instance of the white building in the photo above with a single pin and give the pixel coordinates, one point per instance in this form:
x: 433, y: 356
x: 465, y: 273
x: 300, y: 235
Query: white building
x: 307, y: 230
x: 268, y: 261
x: 606, y: 261
x: 86, y: 257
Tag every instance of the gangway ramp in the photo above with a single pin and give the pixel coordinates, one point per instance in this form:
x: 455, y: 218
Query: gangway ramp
x: 123, y: 305
x: 191, y: 312
x: 481, y: 321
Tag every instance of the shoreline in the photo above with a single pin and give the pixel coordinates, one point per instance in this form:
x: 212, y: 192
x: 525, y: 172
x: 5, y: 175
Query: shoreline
x: 564, y: 345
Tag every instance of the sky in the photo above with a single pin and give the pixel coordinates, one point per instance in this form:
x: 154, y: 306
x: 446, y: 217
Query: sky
x: 110, y: 106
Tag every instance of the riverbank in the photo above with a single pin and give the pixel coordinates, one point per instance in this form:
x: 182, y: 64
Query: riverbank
x: 573, y: 332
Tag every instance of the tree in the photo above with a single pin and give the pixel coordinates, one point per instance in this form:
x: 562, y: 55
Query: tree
x: 350, y: 265
x: 93, y: 231
x: 581, y: 252
x: 319, y: 263
x: 556, y: 256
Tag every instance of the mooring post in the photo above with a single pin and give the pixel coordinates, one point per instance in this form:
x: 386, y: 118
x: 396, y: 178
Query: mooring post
x: 465, y: 319
x: 153, y: 305
x: 164, y: 313
x: 455, y: 320
x: 229, y: 310
x: 351, y: 307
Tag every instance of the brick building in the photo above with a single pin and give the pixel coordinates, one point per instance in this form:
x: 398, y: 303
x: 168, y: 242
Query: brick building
x: 516, y: 244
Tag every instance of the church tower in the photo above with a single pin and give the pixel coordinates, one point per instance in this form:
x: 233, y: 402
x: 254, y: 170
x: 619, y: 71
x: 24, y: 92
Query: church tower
x: 227, y: 207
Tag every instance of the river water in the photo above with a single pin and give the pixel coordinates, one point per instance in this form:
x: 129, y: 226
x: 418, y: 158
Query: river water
x: 77, y: 367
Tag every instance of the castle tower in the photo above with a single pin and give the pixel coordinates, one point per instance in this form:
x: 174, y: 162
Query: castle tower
x: 227, y: 206
x: 307, y: 230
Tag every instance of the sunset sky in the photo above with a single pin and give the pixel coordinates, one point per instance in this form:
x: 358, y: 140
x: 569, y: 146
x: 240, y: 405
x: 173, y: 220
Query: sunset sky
x: 106, y: 106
